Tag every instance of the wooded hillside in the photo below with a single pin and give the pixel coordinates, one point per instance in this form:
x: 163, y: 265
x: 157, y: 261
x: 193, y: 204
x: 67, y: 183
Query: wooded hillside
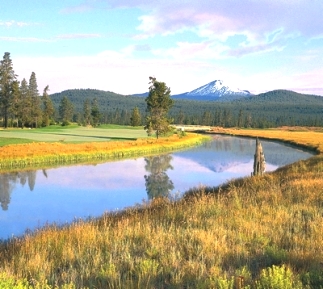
x: 271, y: 109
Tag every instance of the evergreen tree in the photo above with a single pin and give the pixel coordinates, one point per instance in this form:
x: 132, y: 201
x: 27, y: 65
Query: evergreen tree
x: 66, y: 111
x: 36, y: 111
x: 158, y: 104
x: 7, y: 78
x: 95, y: 113
x: 26, y: 103
x: 135, y: 118
x: 49, y: 110
x: 16, y: 105
x: 87, y: 112
x: 240, y: 119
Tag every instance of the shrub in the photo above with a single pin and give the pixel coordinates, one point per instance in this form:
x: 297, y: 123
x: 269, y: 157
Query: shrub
x: 278, y: 277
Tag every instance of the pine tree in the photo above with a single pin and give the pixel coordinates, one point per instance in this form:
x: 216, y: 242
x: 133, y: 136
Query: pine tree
x: 95, y: 113
x: 7, y: 78
x: 16, y: 103
x: 49, y: 109
x: 66, y: 110
x: 36, y: 111
x: 135, y: 118
x: 26, y: 102
x: 158, y: 104
x: 87, y: 112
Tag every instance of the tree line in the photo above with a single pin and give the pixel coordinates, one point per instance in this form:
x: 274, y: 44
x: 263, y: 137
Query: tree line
x: 271, y: 109
x: 20, y: 102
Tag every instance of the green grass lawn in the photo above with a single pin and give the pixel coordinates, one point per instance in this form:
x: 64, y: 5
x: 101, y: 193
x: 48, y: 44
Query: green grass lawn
x: 70, y: 134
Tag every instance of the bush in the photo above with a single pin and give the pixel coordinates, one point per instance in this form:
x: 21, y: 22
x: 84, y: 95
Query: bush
x: 277, y: 277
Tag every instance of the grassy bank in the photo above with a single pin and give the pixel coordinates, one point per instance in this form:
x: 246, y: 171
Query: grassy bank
x: 256, y: 232
x: 41, y: 153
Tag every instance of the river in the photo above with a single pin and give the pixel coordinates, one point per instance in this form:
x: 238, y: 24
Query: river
x: 30, y: 199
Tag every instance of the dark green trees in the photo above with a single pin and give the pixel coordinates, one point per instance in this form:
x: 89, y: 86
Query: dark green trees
x: 158, y: 104
x: 87, y: 112
x: 66, y: 111
x: 7, y: 79
x: 48, y: 107
x: 20, y: 102
x: 91, y: 113
x: 36, y: 111
x: 135, y: 119
x: 95, y: 113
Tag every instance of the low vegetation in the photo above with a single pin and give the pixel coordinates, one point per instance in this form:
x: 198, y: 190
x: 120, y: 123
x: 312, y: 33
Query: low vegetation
x: 256, y: 232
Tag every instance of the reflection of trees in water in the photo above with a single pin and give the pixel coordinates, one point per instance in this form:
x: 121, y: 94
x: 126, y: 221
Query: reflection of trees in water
x: 158, y: 184
x: 8, y: 182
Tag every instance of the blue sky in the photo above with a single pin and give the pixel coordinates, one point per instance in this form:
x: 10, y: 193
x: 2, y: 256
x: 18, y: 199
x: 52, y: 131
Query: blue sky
x: 115, y: 45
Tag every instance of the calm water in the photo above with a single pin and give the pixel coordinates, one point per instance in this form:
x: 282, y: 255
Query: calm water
x: 59, y: 195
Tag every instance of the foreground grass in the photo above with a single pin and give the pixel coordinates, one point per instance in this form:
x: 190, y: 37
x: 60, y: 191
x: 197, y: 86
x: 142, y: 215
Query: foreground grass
x: 257, y: 232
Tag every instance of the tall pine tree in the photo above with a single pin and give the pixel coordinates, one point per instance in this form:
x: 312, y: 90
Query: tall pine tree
x: 158, y: 104
x: 49, y: 110
x: 135, y: 119
x: 36, y: 111
x: 95, y: 113
x: 26, y: 101
x: 66, y: 111
x: 7, y: 79
x: 87, y: 112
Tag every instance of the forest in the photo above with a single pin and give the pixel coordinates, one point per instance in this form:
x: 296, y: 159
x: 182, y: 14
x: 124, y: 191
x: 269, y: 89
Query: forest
x: 272, y: 109
x: 21, y: 105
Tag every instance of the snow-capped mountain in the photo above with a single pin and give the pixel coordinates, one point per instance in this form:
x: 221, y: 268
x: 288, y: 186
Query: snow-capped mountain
x: 215, y: 90
x: 218, y: 88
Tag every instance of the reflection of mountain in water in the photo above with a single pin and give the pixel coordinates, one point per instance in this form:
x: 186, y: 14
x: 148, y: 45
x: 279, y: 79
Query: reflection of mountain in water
x: 226, y: 152
x: 8, y: 182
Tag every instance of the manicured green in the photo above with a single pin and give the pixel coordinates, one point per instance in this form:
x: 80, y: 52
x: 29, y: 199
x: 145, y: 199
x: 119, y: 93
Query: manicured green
x: 70, y: 134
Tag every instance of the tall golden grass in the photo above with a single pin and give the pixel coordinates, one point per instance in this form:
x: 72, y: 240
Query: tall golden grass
x: 257, y: 232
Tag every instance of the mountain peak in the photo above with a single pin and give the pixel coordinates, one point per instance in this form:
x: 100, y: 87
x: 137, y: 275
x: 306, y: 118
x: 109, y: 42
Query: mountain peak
x: 218, y: 88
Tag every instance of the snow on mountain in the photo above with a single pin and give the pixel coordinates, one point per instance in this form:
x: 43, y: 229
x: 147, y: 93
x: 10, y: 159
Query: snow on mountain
x: 218, y: 88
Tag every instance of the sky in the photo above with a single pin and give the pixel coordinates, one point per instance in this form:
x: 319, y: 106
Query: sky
x: 115, y: 45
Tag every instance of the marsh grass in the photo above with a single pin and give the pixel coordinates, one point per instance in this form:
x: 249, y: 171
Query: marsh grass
x: 255, y: 232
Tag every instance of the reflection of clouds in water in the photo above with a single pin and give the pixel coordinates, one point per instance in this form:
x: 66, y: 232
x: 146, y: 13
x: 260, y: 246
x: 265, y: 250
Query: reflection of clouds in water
x: 110, y: 175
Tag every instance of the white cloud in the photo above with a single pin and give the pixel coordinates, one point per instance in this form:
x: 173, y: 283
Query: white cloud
x: 78, y: 36
x: 199, y: 50
x: 24, y: 39
x: 12, y: 23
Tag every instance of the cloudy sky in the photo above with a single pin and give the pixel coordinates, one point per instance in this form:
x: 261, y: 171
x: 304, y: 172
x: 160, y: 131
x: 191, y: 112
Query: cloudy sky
x: 115, y: 45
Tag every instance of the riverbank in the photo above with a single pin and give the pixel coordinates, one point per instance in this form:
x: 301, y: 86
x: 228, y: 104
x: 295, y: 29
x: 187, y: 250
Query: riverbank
x: 31, y: 155
x: 255, y: 232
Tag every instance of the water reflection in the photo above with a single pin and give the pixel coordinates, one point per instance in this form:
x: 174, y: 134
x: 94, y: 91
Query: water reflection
x: 158, y: 183
x: 8, y: 182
